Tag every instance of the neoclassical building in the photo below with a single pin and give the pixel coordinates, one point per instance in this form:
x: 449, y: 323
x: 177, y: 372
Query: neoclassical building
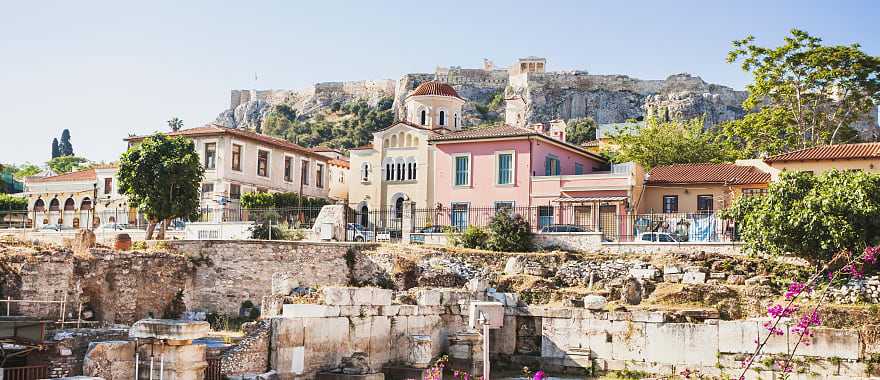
x: 397, y: 166
x: 78, y: 199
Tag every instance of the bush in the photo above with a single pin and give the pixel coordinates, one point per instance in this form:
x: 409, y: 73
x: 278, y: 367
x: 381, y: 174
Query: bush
x: 509, y: 233
x: 257, y: 200
x: 261, y: 232
x: 11, y: 202
x: 472, y: 237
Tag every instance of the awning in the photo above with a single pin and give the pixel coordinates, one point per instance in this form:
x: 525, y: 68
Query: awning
x: 590, y: 199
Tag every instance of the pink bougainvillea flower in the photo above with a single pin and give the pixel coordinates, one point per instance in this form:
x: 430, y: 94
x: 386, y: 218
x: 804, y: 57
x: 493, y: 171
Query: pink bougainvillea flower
x: 871, y: 254
x: 795, y: 289
x: 538, y: 375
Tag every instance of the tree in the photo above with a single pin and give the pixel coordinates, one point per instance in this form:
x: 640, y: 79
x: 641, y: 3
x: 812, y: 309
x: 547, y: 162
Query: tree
x: 64, y: 146
x: 175, y: 124
x: 580, y: 131
x: 759, y: 134
x: 19, y: 172
x: 813, y: 217
x: 66, y: 164
x: 509, y: 233
x: 12, y: 202
x: 56, y: 149
x: 665, y: 143
x: 161, y: 177
x: 823, y: 89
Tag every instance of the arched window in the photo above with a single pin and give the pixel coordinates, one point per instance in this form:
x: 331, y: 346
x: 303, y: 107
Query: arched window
x: 399, y: 170
x: 408, y: 140
x: 414, y: 170
x: 389, y: 170
x: 365, y: 216
x: 385, y: 143
x: 393, y: 141
x: 424, y: 117
x: 39, y: 205
x: 69, y: 204
x: 86, y: 204
x: 455, y: 120
x: 54, y: 205
x: 365, y: 172
x: 442, y: 117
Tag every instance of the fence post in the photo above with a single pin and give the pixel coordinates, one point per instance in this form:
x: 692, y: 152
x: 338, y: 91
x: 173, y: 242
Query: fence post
x: 407, y: 224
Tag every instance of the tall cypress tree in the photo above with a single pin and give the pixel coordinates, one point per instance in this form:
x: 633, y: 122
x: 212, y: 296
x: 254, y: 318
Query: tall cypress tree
x: 56, y: 150
x: 65, y: 146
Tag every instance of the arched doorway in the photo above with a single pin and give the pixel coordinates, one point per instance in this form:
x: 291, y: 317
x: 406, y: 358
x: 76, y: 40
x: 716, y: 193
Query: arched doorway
x: 398, y: 208
x: 365, y: 216
x: 39, y: 205
x: 54, y: 205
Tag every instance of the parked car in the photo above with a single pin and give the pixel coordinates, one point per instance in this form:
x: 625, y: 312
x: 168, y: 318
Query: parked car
x: 435, y: 229
x: 54, y: 227
x: 113, y: 226
x: 357, y: 232
x: 659, y: 237
x: 563, y: 228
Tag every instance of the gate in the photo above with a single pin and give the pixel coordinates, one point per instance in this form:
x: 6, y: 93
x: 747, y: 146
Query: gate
x: 365, y: 224
x: 213, y: 370
x: 34, y: 372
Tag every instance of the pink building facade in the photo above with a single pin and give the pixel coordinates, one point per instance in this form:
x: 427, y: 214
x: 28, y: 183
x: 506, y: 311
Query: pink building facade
x: 546, y: 180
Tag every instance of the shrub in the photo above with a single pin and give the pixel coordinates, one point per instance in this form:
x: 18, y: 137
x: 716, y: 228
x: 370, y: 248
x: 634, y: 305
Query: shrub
x: 11, y: 202
x: 472, y: 237
x: 509, y: 233
x: 261, y: 231
x: 257, y: 200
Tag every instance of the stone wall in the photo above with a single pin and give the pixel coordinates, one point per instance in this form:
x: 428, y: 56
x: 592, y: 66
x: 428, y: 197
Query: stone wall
x: 229, y: 272
x: 577, y: 242
x: 251, y: 354
x: 726, y: 248
x: 65, y: 349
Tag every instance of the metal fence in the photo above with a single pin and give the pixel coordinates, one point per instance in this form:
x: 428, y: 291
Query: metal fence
x: 293, y: 217
x: 614, y: 226
x: 33, y: 372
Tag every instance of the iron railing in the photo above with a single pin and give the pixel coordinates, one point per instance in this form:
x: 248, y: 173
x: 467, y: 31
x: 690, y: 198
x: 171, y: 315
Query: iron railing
x: 33, y: 372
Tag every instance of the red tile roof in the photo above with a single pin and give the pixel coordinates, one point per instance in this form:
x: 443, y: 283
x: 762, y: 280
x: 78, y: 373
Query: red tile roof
x: 707, y: 173
x: 340, y: 163
x: 363, y: 147
x: 81, y: 175
x: 323, y: 149
x: 434, y: 87
x: 505, y: 131
x: 213, y: 129
x: 831, y: 152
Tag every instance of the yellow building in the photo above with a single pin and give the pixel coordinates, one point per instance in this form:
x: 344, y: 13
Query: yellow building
x: 691, y: 188
x: 818, y: 159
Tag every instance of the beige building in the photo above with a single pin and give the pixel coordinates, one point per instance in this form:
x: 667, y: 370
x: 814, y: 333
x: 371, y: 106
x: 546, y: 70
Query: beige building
x: 704, y: 188
x: 239, y: 161
x: 79, y: 199
x: 397, y: 166
x: 819, y: 159
x: 339, y: 178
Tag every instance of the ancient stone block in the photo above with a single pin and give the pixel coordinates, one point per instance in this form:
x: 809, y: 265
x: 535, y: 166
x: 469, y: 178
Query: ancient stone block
x: 169, y: 329
x: 694, y: 278
x: 595, y: 302
x: 309, y: 311
x: 429, y: 297
x: 340, y: 296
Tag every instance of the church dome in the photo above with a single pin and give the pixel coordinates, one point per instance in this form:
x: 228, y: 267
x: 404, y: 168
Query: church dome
x: 435, y: 88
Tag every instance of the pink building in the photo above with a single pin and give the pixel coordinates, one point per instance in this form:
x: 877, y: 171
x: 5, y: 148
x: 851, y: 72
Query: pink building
x: 533, y: 171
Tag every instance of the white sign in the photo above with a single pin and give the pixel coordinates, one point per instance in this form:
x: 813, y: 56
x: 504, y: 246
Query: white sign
x: 298, y: 363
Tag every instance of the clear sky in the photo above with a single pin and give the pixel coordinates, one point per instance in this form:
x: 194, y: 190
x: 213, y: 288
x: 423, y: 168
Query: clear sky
x: 107, y: 69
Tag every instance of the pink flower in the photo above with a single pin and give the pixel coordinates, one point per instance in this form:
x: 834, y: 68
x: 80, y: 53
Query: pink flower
x: 871, y: 254
x: 538, y: 375
x: 795, y: 289
x: 854, y: 271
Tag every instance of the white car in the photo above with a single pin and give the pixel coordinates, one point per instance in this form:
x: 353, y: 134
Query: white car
x: 658, y: 237
x: 357, y: 232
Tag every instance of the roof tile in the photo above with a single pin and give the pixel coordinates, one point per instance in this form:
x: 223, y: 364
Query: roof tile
x: 81, y: 175
x: 434, y: 87
x: 707, y: 173
x: 831, y: 152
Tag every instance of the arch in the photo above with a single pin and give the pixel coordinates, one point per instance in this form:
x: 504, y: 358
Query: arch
x: 389, y: 169
x: 393, y: 141
x: 408, y: 140
x: 54, y: 205
x: 415, y: 141
x: 455, y: 120
x: 442, y: 118
x: 69, y: 205
x: 423, y: 118
x: 411, y: 168
x: 400, y: 138
x: 365, y: 172
x: 399, y: 169
x: 385, y: 143
x: 86, y: 204
x: 364, y: 215
x: 39, y: 205
x: 397, y: 204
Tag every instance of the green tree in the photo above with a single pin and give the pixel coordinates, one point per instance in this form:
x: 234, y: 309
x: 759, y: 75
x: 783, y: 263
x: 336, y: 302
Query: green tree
x: 11, y: 202
x: 19, y: 172
x: 65, y: 147
x: 509, y: 233
x: 811, y: 216
x: 56, y: 150
x: 161, y: 177
x: 66, y: 164
x: 580, y: 131
x: 768, y: 132
x: 824, y: 89
x: 666, y: 143
x: 175, y: 124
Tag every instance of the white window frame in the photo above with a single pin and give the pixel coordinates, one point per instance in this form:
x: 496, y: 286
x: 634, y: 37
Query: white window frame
x: 469, y: 173
x: 293, y: 161
x: 241, y: 158
x: 308, y: 172
x: 268, y: 162
x: 364, y: 173
x: 512, y: 154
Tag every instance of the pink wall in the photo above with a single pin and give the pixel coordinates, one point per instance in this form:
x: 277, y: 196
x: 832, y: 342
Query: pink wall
x: 483, y: 191
x: 567, y: 159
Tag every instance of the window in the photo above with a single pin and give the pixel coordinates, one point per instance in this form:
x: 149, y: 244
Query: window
x: 108, y: 185
x: 442, y: 117
x: 545, y: 216
x: 455, y: 120
x: 210, y: 156
x: 670, y: 203
x: 754, y: 192
x: 424, y: 118
x: 234, y: 191
x: 503, y: 206
x: 398, y: 208
x: 551, y: 166
x: 304, y: 173
x: 462, y: 171
x: 207, y: 189
x: 319, y: 175
x: 236, y: 157
x: 459, y: 216
x: 578, y: 168
x: 365, y: 172
x: 505, y: 168
x: 288, y: 169
x: 263, y: 163
x: 704, y: 203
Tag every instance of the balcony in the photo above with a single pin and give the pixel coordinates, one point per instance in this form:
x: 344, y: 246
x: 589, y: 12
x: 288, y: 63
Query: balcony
x: 620, y: 177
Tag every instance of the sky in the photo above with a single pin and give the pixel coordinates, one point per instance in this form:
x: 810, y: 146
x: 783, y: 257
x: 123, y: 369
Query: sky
x: 105, y: 69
